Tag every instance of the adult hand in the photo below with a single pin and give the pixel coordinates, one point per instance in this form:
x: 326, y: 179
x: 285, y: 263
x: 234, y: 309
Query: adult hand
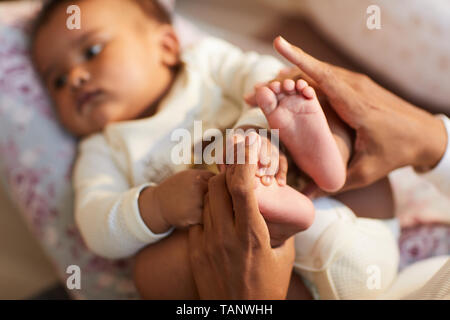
x: 390, y: 132
x: 230, y: 254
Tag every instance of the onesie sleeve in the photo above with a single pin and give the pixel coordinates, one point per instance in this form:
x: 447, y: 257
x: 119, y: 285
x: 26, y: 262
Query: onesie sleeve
x: 237, y: 72
x: 106, y: 206
x: 440, y: 175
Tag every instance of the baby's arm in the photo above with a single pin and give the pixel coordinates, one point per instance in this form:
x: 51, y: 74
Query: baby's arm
x: 106, y: 207
x: 175, y: 202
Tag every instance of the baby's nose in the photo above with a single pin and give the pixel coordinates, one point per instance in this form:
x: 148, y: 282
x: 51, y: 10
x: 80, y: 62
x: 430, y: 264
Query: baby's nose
x: 78, y: 76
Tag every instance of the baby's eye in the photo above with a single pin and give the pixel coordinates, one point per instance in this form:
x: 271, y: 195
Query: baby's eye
x: 92, y: 51
x: 60, y: 82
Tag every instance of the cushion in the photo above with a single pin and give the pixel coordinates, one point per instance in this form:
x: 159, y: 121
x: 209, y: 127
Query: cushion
x: 36, y: 158
x: 411, y: 50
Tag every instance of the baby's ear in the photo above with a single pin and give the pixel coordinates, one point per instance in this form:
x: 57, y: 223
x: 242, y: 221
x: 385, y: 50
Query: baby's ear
x: 170, y: 46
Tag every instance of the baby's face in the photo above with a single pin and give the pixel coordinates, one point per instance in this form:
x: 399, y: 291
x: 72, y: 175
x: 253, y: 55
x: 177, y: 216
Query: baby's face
x: 115, y: 68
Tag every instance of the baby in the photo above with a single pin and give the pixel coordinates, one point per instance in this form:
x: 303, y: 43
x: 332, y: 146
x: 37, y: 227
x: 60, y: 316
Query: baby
x: 120, y: 83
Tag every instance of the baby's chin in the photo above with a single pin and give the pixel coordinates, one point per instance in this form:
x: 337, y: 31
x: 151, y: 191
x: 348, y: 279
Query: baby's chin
x: 90, y: 123
x: 102, y: 117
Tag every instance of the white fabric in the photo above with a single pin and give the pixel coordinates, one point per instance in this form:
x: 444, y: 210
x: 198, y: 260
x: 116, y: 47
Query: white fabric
x: 112, y: 167
x: 440, y: 175
x: 393, y: 225
x: 415, y: 277
x: 346, y: 257
x: 437, y: 288
x: 328, y: 211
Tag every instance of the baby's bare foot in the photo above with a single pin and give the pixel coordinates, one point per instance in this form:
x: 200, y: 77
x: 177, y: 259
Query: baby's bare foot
x: 293, y: 108
x: 285, y: 210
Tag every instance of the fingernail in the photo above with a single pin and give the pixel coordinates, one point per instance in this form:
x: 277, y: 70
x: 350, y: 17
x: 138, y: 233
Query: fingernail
x: 284, y: 42
x: 281, y: 182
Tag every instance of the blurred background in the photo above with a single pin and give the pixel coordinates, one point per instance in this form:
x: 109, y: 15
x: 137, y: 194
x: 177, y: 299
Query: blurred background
x: 409, y: 55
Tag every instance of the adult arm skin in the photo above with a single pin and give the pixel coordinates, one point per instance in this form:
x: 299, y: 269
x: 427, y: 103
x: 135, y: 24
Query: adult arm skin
x: 390, y: 133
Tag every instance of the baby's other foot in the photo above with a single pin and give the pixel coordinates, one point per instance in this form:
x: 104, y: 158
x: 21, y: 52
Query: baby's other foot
x: 293, y: 108
x: 285, y: 210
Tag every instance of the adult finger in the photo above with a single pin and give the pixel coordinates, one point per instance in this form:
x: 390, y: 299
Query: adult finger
x: 361, y: 172
x: 206, y: 215
x: 241, y: 152
x: 196, y: 240
x: 220, y: 206
x: 274, y: 163
x: 265, y: 152
x: 296, y: 74
x: 334, y: 82
x: 241, y: 185
x: 281, y: 175
x: 319, y: 71
x: 235, y: 145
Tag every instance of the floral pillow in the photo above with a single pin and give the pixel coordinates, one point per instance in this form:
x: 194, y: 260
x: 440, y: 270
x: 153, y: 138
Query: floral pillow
x: 36, y: 158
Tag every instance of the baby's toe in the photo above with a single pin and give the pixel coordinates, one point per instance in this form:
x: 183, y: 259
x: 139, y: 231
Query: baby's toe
x: 275, y: 86
x: 309, y: 92
x: 289, y: 86
x: 266, y: 99
x: 300, y: 85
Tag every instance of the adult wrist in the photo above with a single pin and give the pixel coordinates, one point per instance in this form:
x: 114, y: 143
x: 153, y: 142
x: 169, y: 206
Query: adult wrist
x: 434, y: 145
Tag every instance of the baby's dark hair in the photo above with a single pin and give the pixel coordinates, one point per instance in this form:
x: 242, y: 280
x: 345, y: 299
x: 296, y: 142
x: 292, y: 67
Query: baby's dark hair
x: 152, y: 8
